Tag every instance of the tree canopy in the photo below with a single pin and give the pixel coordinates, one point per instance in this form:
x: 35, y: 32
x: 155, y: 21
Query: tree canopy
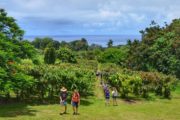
x: 12, y: 50
x: 159, y: 49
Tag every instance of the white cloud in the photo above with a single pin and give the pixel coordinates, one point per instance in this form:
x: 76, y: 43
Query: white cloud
x: 137, y: 17
x: 30, y: 4
x: 93, y: 14
x: 109, y: 14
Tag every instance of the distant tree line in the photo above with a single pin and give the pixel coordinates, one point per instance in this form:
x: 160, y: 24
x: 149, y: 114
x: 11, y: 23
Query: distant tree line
x: 76, y: 45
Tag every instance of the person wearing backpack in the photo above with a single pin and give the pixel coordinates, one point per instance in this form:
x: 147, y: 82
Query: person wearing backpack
x: 75, y: 101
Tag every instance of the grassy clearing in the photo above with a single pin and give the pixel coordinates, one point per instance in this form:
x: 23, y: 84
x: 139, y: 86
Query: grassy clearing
x: 95, y: 109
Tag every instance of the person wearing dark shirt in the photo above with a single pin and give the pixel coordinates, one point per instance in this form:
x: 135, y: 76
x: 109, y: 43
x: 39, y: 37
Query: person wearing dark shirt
x: 63, y: 99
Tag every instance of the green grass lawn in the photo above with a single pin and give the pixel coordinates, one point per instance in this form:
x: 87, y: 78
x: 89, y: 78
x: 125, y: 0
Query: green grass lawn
x: 95, y: 109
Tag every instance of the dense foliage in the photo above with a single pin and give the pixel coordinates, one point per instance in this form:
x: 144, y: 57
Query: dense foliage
x: 66, y: 55
x: 139, y: 83
x: 12, y: 50
x: 44, y: 81
x: 114, y: 55
x: 24, y: 75
x: 8, y: 27
x: 77, y: 45
x: 159, y: 49
x: 50, y: 55
x: 42, y: 43
x: 49, y: 79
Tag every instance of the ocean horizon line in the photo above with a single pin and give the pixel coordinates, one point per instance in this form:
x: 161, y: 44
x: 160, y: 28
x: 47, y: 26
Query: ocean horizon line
x: 92, y: 39
x: 86, y: 35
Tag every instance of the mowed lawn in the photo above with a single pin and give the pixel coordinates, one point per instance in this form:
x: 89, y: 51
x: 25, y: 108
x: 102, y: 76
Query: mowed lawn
x: 95, y: 109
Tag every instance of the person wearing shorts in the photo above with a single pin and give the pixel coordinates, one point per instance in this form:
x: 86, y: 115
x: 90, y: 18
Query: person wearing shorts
x: 75, y: 101
x: 63, y: 99
x: 114, y: 96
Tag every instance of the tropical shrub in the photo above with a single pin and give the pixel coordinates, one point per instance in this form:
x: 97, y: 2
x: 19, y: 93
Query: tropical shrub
x: 66, y: 55
x: 50, y: 55
x: 140, y: 83
x: 114, y: 55
x: 50, y: 79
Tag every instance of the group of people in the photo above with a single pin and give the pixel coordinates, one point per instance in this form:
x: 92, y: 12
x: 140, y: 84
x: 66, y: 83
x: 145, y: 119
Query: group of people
x: 75, y: 100
x: 106, y: 90
x: 107, y: 95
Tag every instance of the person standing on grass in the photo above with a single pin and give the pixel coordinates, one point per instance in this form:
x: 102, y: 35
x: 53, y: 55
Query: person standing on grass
x: 107, y: 96
x: 63, y: 99
x: 114, y: 96
x: 75, y: 101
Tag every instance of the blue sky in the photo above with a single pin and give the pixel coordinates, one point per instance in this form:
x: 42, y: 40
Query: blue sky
x: 89, y: 17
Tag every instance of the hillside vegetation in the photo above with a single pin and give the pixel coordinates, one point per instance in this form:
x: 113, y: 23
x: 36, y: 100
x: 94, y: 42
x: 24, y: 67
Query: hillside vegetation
x: 145, y: 72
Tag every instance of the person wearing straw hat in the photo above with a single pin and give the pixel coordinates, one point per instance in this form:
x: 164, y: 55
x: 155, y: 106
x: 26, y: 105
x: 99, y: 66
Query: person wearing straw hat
x: 63, y: 99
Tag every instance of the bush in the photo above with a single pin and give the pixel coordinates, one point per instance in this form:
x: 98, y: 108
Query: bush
x: 114, y: 55
x: 66, y: 55
x: 50, y: 79
x: 141, y: 83
x: 50, y: 55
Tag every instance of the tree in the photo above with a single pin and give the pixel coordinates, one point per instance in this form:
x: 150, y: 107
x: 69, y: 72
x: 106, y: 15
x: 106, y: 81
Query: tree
x: 142, y: 33
x: 9, y: 28
x: 27, y: 50
x: 129, y: 42
x: 78, y: 45
x: 110, y: 43
x: 95, y: 46
x: 50, y: 55
x: 41, y: 43
x: 114, y: 55
x: 159, y: 49
x: 66, y: 55
x: 12, y: 50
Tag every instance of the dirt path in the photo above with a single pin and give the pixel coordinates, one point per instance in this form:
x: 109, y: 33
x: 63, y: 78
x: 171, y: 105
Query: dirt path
x: 98, y: 88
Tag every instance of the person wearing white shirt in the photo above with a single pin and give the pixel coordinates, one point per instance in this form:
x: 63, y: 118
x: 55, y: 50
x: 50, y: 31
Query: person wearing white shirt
x: 114, y: 96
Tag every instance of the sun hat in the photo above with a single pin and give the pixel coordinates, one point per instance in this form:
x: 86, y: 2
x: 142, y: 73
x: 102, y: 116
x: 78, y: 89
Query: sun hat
x: 63, y: 89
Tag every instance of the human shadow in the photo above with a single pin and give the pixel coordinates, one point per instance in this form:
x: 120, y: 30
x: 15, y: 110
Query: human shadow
x: 86, y: 102
x: 15, y: 109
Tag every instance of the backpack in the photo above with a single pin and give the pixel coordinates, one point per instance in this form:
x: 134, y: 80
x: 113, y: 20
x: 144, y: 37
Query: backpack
x: 75, y: 97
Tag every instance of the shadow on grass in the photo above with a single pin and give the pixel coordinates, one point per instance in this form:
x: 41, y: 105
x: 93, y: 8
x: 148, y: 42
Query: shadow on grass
x: 136, y: 99
x: 14, y: 110
x: 85, y: 102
